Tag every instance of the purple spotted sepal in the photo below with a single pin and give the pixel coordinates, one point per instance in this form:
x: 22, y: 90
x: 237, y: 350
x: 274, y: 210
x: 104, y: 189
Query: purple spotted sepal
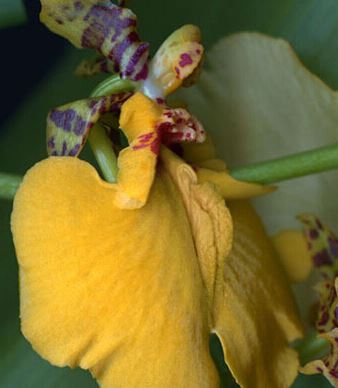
x: 322, y: 244
x: 323, y: 247
x: 68, y: 126
x: 328, y: 365
x: 104, y: 27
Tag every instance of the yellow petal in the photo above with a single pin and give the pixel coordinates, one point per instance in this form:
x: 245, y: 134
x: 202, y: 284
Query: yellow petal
x: 210, y: 220
x: 294, y: 254
x: 231, y: 188
x: 197, y: 153
x: 213, y: 170
x: 255, y: 315
x: 112, y: 290
x: 258, y: 102
x: 137, y: 163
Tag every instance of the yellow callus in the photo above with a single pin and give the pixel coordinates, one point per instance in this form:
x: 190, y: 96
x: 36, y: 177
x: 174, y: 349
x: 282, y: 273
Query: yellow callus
x: 132, y: 293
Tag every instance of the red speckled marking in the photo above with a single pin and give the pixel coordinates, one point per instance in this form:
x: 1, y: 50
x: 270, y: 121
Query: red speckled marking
x: 185, y: 60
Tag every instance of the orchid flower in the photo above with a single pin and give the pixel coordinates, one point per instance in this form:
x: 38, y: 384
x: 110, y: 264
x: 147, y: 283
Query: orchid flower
x: 197, y: 271
x: 123, y: 281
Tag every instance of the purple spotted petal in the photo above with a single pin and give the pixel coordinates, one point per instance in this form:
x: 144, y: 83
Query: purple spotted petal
x: 103, y: 26
x: 323, y: 245
x: 68, y: 126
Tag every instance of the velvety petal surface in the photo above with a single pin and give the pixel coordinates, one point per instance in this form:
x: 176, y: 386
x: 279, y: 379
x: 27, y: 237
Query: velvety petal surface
x: 311, y: 26
x: 116, y: 291
x: 255, y: 314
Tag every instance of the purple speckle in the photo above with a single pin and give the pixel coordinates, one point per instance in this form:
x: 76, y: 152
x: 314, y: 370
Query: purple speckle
x: 108, y: 21
x: 333, y: 244
x: 322, y: 258
x: 313, y: 234
x: 319, y: 224
x: 324, y: 318
x: 63, y: 119
x: 74, y: 151
x: 92, y: 103
x: 80, y: 126
x: 51, y: 142
x: 78, y: 5
x: 334, y: 373
x: 135, y: 58
x: 64, y: 148
x: 143, y: 74
x: 160, y: 100
x: 336, y: 312
x: 118, y: 49
x: 185, y: 60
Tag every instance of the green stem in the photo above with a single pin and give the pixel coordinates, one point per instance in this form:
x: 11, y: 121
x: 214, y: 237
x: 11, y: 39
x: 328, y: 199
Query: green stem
x: 100, y: 143
x: 102, y: 148
x: 113, y: 84
x: 271, y: 171
x: 8, y: 185
x: 289, y: 167
x: 312, y: 348
x: 12, y: 13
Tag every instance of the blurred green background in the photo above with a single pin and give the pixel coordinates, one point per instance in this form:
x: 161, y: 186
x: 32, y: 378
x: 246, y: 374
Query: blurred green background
x: 37, y: 75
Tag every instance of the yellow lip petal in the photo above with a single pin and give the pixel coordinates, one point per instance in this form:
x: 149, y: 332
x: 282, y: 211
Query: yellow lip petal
x: 255, y: 315
x: 112, y: 290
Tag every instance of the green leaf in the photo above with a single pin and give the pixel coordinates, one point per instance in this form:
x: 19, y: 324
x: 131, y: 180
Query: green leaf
x: 12, y: 13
